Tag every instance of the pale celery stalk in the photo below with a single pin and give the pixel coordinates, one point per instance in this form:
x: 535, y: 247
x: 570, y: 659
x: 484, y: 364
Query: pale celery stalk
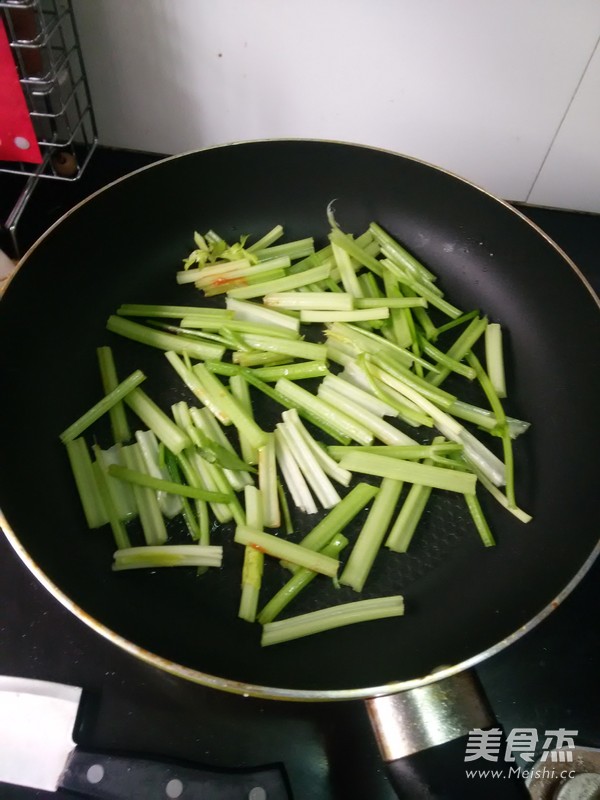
x: 220, y: 368
x: 369, y: 342
x: 207, y: 276
x: 212, y: 270
x: 195, y: 385
x: 299, y: 248
x: 121, y: 494
x: 444, y: 360
x: 401, y: 254
x: 170, y: 312
x: 284, y: 549
x: 267, y: 240
x: 299, y: 580
x: 410, y: 514
x: 85, y: 481
x: 329, y: 618
x: 255, y: 358
x: 407, y: 452
x: 364, y: 398
x: 401, y: 332
x: 242, y: 327
x: 121, y: 391
x: 229, y: 407
x: 296, y: 349
x: 428, y: 290
x: 294, y: 372
x: 380, y: 429
x: 371, y: 536
x: 154, y: 418
x: 303, y: 399
x: 254, y: 312
x: 390, y: 302
x: 327, y: 463
x: 463, y: 345
x: 315, y: 301
x: 440, y: 397
x: 267, y: 482
x: 151, y: 518
x: 357, y: 315
x: 241, y: 392
x: 485, y: 418
x: 163, y: 341
x: 501, y: 498
x: 410, y: 472
x: 116, y: 524
x: 314, y: 474
x: 252, y: 569
x: 339, y: 516
x: 175, y: 555
x: 110, y: 381
x: 347, y: 271
x: 205, y: 421
x: 478, y: 517
x: 170, y: 504
x: 212, y: 478
x: 293, y: 476
x: 293, y: 281
x: 494, y: 358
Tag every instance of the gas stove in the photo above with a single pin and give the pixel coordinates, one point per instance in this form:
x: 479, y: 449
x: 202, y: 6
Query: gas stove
x: 545, y: 681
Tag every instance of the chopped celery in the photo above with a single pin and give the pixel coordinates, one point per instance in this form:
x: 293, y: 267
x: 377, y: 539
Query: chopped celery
x: 281, y: 548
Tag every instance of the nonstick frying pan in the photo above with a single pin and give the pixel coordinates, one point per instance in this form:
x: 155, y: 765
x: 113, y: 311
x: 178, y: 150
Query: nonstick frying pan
x: 464, y: 602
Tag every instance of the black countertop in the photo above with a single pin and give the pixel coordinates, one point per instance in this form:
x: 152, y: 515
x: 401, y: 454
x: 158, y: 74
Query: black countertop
x: 546, y: 680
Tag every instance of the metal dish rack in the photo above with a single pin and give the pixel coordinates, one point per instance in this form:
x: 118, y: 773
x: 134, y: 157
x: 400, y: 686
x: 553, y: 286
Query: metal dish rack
x: 44, y: 40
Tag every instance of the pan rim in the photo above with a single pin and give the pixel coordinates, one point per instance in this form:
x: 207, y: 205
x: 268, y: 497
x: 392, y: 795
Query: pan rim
x: 280, y: 693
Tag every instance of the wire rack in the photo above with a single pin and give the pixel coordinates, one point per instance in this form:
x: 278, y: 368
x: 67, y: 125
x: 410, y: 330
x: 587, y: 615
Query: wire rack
x: 44, y: 40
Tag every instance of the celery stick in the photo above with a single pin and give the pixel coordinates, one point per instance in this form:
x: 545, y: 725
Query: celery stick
x: 267, y: 482
x: 230, y: 369
x: 407, y: 452
x: 170, y: 312
x: 401, y: 254
x: 214, y: 270
x: 327, y: 463
x: 195, y: 385
x: 242, y: 327
x: 371, y: 536
x: 390, y: 302
x: 339, y: 516
x: 479, y: 519
x: 161, y: 485
x: 357, y: 315
x: 151, y: 519
x: 300, y: 248
x: 86, y: 483
x: 410, y: 514
x: 253, y: 558
x: 400, y: 329
x: 254, y: 312
x: 294, y: 372
x: 329, y: 618
x: 211, y: 477
x: 156, y: 419
x: 316, y: 301
x: 229, y: 407
x: 460, y: 348
x: 297, y: 582
x: 267, y: 240
x: 239, y: 389
x: 176, y: 555
x: 104, y: 405
x: 347, y: 270
x: 110, y: 381
x: 234, y: 469
x: 444, y: 360
x: 494, y: 358
x: 410, y: 472
x: 439, y: 396
x: 297, y: 349
x: 256, y: 358
x: 192, y: 523
x: 121, y: 494
x: 170, y: 504
x: 293, y: 281
x: 292, y: 475
x: 427, y: 290
x: 116, y: 524
x: 303, y: 399
x: 366, y: 399
x: 284, y: 549
x: 163, y: 341
x: 314, y: 474
x: 380, y: 429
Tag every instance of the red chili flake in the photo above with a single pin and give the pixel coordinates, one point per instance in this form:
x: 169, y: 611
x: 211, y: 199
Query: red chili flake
x: 223, y: 281
x: 259, y: 548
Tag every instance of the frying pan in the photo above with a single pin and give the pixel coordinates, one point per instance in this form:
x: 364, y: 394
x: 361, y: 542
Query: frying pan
x: 464, y: 602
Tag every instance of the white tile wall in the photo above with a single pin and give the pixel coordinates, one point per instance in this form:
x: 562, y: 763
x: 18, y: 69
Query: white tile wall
x: 478, y: 87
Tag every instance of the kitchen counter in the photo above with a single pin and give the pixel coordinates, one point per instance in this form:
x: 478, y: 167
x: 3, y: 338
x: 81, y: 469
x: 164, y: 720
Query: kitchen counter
x: 546, y: 680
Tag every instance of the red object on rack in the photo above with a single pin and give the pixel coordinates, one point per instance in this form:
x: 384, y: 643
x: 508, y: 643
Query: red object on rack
x: 18, y: 141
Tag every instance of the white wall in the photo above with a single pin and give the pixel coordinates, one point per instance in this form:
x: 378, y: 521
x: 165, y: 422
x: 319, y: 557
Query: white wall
x: 503, y: 92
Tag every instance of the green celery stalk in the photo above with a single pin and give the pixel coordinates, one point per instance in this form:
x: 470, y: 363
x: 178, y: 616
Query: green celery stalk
x: 86, y: 483
x: 155, y: 418
x: 283, y: 549
x: 110, y: 381
x: 163, y: 341
x: 176, y: 555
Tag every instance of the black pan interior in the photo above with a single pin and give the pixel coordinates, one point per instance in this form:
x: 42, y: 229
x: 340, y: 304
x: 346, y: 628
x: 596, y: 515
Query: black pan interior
x: 125, y: 244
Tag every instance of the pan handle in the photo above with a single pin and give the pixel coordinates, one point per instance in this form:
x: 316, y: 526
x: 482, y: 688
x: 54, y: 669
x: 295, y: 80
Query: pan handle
x: 422, y: 735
